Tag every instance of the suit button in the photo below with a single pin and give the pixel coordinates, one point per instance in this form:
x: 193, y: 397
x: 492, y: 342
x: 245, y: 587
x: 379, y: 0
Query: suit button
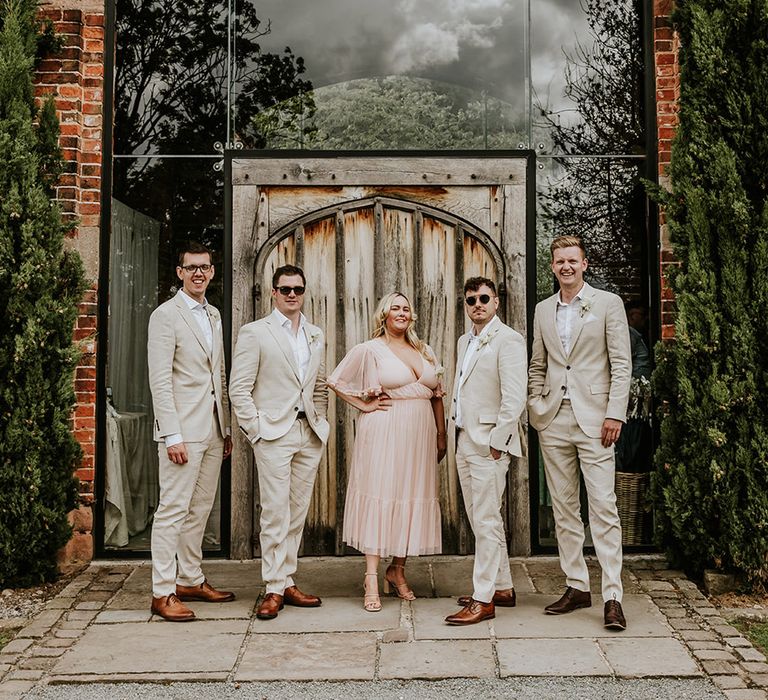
x: 296, y: 408
x: 568, y: 367
x: 563, y: 388
x: 212, y: 392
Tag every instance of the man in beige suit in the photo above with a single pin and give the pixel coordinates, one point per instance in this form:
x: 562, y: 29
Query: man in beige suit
x: 189, y: 397
x: 279, y: 395
x: 488, y: 399
x: 578, y: 391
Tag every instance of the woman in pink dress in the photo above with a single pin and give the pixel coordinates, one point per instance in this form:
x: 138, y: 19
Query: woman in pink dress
x: 392, y: 506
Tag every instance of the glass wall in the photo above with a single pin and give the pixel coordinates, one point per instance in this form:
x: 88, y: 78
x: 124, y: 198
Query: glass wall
x: 562, y: 77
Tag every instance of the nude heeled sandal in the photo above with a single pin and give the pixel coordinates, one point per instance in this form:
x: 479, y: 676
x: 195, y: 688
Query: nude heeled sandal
x: 401, y: 590
x: 371, y: 601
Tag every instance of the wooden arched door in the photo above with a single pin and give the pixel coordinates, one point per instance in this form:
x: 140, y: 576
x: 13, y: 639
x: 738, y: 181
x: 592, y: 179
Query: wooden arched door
x: 355, y: 243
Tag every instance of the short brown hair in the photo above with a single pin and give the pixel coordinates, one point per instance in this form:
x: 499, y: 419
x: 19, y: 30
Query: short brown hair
x: 474, y: 283
x: 194, y: 248
x: 567, y: 242
x: 288, y: 271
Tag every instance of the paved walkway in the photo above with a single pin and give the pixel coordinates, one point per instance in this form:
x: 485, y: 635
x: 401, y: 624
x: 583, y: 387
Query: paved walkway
x: 99, y: 629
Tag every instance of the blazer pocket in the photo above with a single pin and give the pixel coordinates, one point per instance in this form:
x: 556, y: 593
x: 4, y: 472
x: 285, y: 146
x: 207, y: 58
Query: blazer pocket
x: 487, y: 419
x: 599, y: 388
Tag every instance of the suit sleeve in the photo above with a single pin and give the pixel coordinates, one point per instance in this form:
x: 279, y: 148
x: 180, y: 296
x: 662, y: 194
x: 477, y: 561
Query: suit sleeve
x: 245, y: 368
x: 161, y: 348
x: 320, y: 394
x: 619, y: 358
x: 537, y: 372
x: 512, y: 376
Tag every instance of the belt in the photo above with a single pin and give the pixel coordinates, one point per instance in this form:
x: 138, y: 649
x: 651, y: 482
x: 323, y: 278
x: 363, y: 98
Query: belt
x: 301, y: 415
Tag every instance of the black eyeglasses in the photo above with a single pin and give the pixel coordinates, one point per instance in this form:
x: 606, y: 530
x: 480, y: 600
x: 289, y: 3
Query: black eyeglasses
x: 194, y: 268
x: 285, y: 290
x: 472, y: 300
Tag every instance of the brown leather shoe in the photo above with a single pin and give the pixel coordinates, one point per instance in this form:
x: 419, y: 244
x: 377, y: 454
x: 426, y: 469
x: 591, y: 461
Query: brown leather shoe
x: 571, y: 600
x: 270, y: 606
x: 205, y: 592
x: 293, y: 596
x: 501, y: 599
x: 170, y: 608
x: 614, y: 616
x: 472, y: 613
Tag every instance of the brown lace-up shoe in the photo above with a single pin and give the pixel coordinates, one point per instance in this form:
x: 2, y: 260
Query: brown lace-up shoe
x: 270, y: 606
x: 205, y: 592
x: 473, y: 613
x: 571, y: 600
x: 614, y: 616
x: 293, y: 596
x: 501, y: 599
x: 170, y: 608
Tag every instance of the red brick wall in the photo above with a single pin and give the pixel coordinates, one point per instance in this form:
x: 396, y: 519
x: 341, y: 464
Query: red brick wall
x: 667, y: 79
x: 75, y: 77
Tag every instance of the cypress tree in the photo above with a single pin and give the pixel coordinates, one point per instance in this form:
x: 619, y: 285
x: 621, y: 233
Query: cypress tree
x: 40, y: 287
x: 712, y: 466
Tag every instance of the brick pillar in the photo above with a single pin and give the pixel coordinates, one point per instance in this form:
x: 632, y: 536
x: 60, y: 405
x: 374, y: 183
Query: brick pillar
x: 667, y: 77
x: 75, y: 77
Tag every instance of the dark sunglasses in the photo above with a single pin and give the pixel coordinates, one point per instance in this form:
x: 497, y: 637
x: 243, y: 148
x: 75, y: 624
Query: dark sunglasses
x: 285, y: 290
x: 472, y: 300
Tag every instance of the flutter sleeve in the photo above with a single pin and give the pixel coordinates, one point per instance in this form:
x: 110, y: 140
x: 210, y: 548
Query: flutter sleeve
x: 357, y: 374
x: 438, y: 392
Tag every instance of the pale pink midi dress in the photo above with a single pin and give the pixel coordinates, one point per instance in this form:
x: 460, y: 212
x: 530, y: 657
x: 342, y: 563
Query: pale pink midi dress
x: 392, y: 506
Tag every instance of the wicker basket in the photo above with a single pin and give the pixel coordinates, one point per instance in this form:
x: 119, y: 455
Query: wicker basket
x: 630, y: 499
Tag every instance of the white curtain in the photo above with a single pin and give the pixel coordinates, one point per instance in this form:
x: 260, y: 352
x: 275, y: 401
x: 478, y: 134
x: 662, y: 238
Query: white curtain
x: 131, y: 480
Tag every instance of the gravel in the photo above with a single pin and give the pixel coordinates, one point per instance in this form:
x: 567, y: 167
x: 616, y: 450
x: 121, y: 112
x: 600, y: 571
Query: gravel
x: 507, y: 689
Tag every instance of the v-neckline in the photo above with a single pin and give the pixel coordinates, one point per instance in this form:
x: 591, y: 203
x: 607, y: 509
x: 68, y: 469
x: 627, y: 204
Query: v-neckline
x: 406, y: 365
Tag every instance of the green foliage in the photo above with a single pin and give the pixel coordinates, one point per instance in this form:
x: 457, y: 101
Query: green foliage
x: 42, y: 285
x: 712, y: 478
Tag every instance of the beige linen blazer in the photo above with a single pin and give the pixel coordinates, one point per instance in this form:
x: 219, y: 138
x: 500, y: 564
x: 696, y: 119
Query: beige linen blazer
x: 186, y: 379
x: 493, y: 390
x: 264, y: 385
x: 597, y: 370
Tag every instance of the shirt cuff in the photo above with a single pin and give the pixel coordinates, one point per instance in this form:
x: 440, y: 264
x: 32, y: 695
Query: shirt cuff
x: 171, y: 440
x: 228, y: 432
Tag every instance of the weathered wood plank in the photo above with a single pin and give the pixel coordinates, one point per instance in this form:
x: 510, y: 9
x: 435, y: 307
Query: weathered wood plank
x: 384, y: 170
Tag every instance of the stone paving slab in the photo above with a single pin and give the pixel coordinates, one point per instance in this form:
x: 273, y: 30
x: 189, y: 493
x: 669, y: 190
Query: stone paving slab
x: 192, y: 647
x: 551, y: 657
x: 307, y: 657
x: 528, y: 619
x: 548, y: 577
x: 429, y: 621
x: 334, y: 615
x: 635, y: 658
x: 437, y: 659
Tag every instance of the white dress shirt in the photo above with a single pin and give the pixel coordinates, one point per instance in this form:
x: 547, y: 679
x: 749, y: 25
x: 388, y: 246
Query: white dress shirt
x: 566, y: 315
x: 472, y: 346
x: 299, y: 344
x: 200, y: 312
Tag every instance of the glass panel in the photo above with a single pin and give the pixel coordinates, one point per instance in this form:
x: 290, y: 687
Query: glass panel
x: 588, y: 77
x: 170, y: 76
x: 362, y: 74
x: 159, y: 205
x: 602, y: 201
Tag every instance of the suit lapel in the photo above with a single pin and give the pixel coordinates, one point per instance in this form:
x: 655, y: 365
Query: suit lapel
x: 215, y: 320
x: 194, y: 326
x: 278, y: 334
x: 587, y: 299
x: 315, y: 353
x: 463, y: 342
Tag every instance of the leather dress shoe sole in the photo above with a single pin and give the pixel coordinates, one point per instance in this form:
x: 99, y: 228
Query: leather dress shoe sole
x: 615, y: 625
x: 575, y: 606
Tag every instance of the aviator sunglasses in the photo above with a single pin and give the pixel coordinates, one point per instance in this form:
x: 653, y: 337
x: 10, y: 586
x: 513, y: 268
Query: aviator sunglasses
x: 472, y: 300
x: 286, y: 290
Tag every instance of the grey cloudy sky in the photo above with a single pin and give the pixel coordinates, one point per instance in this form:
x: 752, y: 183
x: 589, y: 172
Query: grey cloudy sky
x: 473, y: 43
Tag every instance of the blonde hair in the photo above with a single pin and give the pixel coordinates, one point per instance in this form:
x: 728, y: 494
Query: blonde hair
x: 567, y: 242
x: 379, y: 323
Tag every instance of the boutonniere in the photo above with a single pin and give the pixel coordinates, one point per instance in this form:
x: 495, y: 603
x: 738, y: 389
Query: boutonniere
x: 314, y: 339
x: 439, y: 371
x: 586, y: 305
x: 487, y: 338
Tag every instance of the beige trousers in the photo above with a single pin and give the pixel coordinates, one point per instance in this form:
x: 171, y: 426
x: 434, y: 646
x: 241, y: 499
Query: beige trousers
x: 483, y: 481
x: 566, y: 449
x: 187, y: 493
x: 287, y: 468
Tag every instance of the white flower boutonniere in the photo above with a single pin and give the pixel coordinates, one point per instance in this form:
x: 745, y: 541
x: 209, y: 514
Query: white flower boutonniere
x: 314, y: 339
x: 487, y: 338
x: 439, y: 371
x: 586, y: 305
